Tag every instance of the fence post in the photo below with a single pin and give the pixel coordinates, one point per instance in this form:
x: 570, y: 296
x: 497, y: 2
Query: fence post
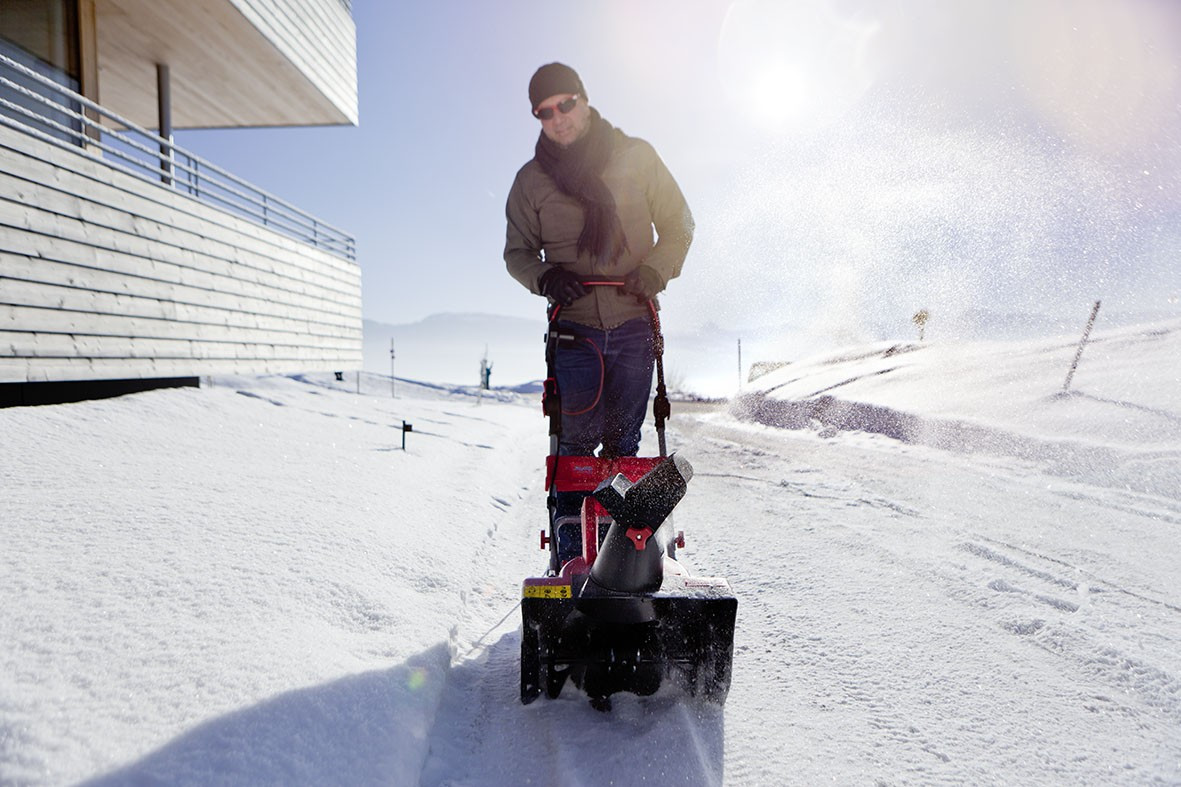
x: 1082, y: 343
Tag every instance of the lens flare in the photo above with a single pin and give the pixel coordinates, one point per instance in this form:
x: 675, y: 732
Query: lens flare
x: 417, y: 679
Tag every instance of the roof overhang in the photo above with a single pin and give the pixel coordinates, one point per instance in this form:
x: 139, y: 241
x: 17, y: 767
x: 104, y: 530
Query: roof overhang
x: 230, y: 64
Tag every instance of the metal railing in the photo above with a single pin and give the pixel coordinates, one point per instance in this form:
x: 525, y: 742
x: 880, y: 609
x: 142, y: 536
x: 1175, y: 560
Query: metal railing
x: 41, y: 107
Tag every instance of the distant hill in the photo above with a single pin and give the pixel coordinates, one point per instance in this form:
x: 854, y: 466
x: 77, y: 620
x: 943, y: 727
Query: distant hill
x: 447, y: 348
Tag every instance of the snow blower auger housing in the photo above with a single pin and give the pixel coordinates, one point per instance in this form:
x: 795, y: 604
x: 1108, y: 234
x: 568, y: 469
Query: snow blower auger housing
x: 615, y: 611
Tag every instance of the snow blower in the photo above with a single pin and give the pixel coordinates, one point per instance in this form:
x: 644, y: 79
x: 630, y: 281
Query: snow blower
x: 615, y: 611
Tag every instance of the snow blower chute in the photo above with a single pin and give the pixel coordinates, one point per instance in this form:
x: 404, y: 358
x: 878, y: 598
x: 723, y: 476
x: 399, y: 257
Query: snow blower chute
x: 615, y: 611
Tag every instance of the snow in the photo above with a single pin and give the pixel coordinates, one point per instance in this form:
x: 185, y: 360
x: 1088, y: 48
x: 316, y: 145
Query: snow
x: 948, y: 571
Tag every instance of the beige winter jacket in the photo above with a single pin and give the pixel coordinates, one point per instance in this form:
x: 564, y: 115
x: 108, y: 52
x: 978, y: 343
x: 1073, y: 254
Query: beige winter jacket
x: 544, y: 224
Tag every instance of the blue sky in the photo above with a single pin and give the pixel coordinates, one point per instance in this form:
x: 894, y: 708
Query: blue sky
x: 848, y: 162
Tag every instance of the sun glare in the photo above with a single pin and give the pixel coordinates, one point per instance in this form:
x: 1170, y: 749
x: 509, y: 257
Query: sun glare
x: 792, y: 65
x: 777, y: 93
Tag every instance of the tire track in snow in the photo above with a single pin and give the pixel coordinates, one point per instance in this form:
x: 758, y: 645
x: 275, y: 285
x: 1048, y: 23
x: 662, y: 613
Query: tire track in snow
x: 1107, y: 584
x: 1086, y: 648
x: 854, y: 620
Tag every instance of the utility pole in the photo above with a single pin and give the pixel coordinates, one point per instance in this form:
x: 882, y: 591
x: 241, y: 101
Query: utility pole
x: 740, y: 364
x: 393, y: 394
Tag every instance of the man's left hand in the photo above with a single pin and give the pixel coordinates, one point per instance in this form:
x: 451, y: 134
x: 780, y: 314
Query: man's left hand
x: 644, y: 282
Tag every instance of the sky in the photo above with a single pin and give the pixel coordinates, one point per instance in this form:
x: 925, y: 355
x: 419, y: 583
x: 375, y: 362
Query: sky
x: 948, y: 574
x: 847, y: 162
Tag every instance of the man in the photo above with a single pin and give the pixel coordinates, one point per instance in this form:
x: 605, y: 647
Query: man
x: 586, y: 207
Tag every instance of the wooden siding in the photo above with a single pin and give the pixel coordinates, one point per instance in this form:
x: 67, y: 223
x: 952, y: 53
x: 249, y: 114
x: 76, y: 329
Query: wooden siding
x: 233, y: 63
x: 105, y: 275
x: 319, y: 37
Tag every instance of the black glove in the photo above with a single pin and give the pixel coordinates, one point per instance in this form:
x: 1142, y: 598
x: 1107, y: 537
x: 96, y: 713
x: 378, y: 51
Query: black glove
x: 561, y: 285
x: 644, y: 282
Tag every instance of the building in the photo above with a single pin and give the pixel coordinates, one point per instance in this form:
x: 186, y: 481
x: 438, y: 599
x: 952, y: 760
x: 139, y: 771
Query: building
x: 126, y: 262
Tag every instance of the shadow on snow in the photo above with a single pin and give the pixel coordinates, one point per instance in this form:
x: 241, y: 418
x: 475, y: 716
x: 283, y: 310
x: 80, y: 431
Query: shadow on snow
x: 369, y: 728
x: 423, y: 722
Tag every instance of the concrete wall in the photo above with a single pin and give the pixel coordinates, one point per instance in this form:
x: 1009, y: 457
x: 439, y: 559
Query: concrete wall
x: 104, y: 275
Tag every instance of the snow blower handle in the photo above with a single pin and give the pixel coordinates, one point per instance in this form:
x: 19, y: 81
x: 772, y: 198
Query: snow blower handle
x: 661, y: 407
x: 551, y: 398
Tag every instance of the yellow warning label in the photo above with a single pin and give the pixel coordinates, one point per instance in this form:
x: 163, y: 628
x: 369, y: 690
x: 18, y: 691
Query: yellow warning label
x: 547, y: 591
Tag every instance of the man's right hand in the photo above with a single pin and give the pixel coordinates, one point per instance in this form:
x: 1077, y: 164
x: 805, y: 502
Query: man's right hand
x: 561, y: 285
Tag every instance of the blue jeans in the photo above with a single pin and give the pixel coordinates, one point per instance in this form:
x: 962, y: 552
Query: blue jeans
x: 604, y: 378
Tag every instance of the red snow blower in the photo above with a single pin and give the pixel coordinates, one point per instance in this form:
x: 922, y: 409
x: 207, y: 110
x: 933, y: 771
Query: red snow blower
x: 615, y: 611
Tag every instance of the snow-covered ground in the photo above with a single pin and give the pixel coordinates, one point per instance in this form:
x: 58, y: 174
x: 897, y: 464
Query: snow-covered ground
x: 947, y: 573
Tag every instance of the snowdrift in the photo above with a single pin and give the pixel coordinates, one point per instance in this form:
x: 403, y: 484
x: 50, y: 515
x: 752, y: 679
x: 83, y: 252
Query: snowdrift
x: 1116, y: 426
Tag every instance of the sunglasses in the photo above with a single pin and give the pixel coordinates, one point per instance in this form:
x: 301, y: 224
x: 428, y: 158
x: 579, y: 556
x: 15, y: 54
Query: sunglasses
x: 562, y: 106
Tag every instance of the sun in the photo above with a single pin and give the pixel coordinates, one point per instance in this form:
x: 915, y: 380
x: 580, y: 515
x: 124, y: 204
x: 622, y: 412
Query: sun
x: 793, y: 64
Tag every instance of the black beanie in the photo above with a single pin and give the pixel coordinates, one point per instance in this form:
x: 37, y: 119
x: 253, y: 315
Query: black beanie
x: 554, y: 79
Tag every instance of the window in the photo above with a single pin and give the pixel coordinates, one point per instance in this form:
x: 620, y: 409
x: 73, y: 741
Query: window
x: 46, y: 29
x: 42, y: 36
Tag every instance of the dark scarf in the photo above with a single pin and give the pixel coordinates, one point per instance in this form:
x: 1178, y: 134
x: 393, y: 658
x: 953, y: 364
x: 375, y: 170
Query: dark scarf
x: 577, y: 171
